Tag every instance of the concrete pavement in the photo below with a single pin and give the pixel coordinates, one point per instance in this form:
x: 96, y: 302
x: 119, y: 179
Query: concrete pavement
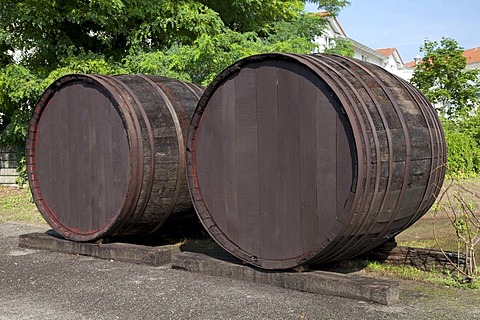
x: 48, y: 285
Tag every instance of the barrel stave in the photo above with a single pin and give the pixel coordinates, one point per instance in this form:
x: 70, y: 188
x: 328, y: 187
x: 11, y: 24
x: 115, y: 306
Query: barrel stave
x: 105, y: 155
x: 335, y: 156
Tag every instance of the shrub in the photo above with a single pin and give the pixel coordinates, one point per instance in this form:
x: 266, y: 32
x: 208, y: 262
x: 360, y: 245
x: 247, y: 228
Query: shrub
x: 463, y: 154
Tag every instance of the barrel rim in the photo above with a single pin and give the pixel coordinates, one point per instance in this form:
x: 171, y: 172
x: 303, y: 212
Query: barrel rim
x: 361, y: 140
x: 200, y: 206
x: 133, y: 191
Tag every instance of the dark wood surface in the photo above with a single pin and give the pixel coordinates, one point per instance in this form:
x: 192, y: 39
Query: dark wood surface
x: 271, y: 149
x: 298, y: 159
x: 106, y: 155
x: 81, y: 153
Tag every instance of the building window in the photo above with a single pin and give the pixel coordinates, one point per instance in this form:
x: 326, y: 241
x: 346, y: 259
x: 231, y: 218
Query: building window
x: 328, y: 43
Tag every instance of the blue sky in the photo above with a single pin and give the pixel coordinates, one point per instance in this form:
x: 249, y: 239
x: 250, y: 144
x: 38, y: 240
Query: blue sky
x: 405, y: 24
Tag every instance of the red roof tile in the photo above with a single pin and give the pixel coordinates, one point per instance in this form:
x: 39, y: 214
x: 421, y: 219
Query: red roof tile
x: 323, y: 14
x: 387, y: 52
x: 472, y: 55
x: 410, y: 64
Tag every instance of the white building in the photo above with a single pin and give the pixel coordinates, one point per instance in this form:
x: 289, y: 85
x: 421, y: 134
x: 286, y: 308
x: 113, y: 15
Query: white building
x: 473, y: 58
x: 388, y: 59
x: 332, y: 31
x: 473, y: 61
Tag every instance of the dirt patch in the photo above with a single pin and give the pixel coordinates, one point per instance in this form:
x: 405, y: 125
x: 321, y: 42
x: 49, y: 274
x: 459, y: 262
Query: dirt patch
x: 439, y: 218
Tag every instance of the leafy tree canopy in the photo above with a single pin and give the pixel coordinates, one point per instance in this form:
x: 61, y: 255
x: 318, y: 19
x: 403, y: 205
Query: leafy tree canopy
x: 47, y: 31
x: 342, y: 47
x: 193, y: 40
x: 442, y: 77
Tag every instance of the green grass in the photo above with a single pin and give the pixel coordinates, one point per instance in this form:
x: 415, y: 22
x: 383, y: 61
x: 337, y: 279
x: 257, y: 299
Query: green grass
x: 415, y: 274
x: 16, y: 205
x: 206, y: 244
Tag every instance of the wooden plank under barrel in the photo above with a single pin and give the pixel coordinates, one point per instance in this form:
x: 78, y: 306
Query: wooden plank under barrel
x: 299, y: 159
x: 105, y: 154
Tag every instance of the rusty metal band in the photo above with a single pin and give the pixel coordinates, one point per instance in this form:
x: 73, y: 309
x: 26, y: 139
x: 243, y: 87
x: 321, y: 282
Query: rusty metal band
x: 441, y: 155
x: 135, y: 138
x: 442, y: 151
x: 440, y: 169
x: 349, y: 246
x: 385, y: 232
x: 367, y: 211
x: 141, y: 114
x: 395, y: 106
x: 160, y: 89
x: 428, y: 116
x: 199, y: 88
x: 339, y: 244
x: 331, y: 251
x: 189, y: 86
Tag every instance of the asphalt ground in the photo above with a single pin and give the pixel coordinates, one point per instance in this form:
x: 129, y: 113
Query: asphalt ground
x: 48, y: 285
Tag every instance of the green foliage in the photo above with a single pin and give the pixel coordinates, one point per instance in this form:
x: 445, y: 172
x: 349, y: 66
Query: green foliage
x: 192, y: 40
x: 332, y: 6
x: 19, y: 90
x: 342, y: 47
x: 463, y: 145
x: 255, y: 15
x: 22, y: 179
x: 47, y: 31
x: 470, y: 125
x: 411, y: 273
x: 208, y: 55
x: 442, y: 77
x: 463, y: 154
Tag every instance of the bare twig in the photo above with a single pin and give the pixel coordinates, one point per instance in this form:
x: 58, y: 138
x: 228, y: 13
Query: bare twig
x: 435, y: 212
x: 466, y: 222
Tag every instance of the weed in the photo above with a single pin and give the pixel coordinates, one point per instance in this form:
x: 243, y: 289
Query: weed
x: 445, y: 278
x: 460, y: 207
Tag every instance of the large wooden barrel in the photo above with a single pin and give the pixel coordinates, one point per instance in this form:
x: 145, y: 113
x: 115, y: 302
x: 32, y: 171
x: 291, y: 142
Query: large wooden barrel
x: 300, y: 159
x: 105, y: 154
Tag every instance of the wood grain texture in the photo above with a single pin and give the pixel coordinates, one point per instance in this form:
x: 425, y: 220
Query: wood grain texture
x: 268, y: 155
x: 315, y: 158
x: 279, y: 145
x: 105, y: 155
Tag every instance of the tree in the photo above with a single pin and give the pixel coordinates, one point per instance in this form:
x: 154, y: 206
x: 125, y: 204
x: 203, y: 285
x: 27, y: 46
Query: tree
x: 192, y: 40
x: 342, y: 47
x: 47, y: 31
x: 442, y: 77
